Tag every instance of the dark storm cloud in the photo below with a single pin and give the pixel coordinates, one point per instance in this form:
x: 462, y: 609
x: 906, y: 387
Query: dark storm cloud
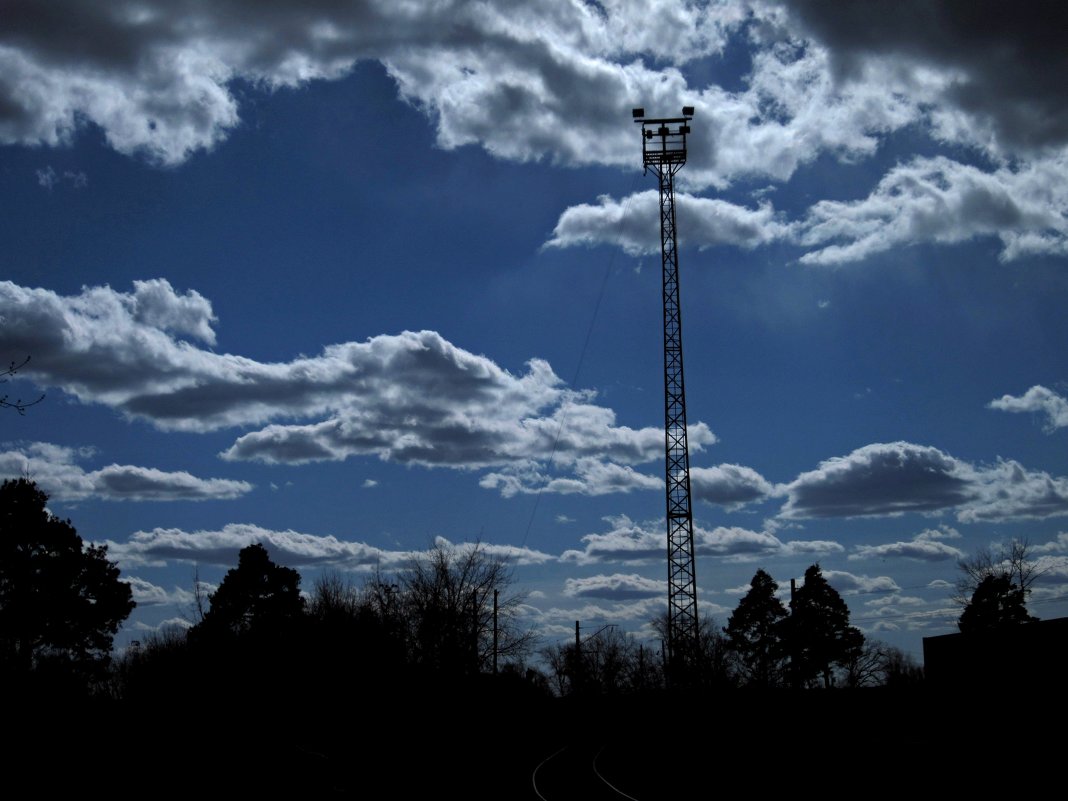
x: 1008, y: 62
x: 67, y: 34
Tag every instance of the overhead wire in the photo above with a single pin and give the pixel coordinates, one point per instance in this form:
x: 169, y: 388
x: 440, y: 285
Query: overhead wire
x: 582, y: 355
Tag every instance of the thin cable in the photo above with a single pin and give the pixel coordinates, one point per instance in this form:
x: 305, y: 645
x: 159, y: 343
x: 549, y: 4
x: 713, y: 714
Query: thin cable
x: 582, y: 355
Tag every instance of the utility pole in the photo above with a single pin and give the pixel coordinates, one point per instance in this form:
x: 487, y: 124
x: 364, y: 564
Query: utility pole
x: 579, y: 671
x: 664, y: 152
x: 577, y: 678
x: 476, y: 668
x: 795, y: 674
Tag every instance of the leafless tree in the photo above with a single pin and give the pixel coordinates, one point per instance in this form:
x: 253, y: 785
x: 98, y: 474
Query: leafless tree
x: 900, y: 669
x: 1012, y: 560
x: 334, y: 594
x: 878, y: 664
x: 560, y: 660
x: 714, y: 655
x: 606, y: 662
x: 198, y: 608
x: 446, y: 599
x: 864, y: 666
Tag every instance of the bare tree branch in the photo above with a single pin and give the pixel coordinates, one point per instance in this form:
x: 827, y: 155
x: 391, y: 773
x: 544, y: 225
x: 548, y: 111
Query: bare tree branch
x: 1012, y: 559
x: 19, y: 405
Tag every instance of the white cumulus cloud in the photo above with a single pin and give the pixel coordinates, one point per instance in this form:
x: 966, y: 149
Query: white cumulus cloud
x: 553, y: 81
x: 887, y: 479
x: 616, y: 587
x: 1037, y: 400
x: 411, y: 398
x: 55, y: 469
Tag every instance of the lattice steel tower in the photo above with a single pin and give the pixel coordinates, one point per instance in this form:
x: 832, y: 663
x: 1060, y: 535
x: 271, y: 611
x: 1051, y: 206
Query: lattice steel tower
x: 664, y: 152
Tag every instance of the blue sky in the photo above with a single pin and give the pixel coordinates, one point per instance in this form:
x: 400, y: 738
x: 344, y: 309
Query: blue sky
x: 344, y: 278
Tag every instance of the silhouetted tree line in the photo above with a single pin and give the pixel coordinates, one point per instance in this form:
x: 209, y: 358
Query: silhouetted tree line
x: 765, y: 645
x: 429, y: 626
x: 448, y: 618
x: 275, y: 689
x: 809, y: 644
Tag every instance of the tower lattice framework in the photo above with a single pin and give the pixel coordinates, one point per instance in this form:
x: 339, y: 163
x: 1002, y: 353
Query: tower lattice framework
x: 664, y: 152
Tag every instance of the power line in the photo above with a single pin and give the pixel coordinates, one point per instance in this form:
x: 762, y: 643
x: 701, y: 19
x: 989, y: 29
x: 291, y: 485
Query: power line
x: 582, y: 356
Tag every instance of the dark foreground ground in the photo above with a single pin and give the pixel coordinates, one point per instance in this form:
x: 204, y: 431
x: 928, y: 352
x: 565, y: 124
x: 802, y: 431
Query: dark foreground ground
x: 484, y: 743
